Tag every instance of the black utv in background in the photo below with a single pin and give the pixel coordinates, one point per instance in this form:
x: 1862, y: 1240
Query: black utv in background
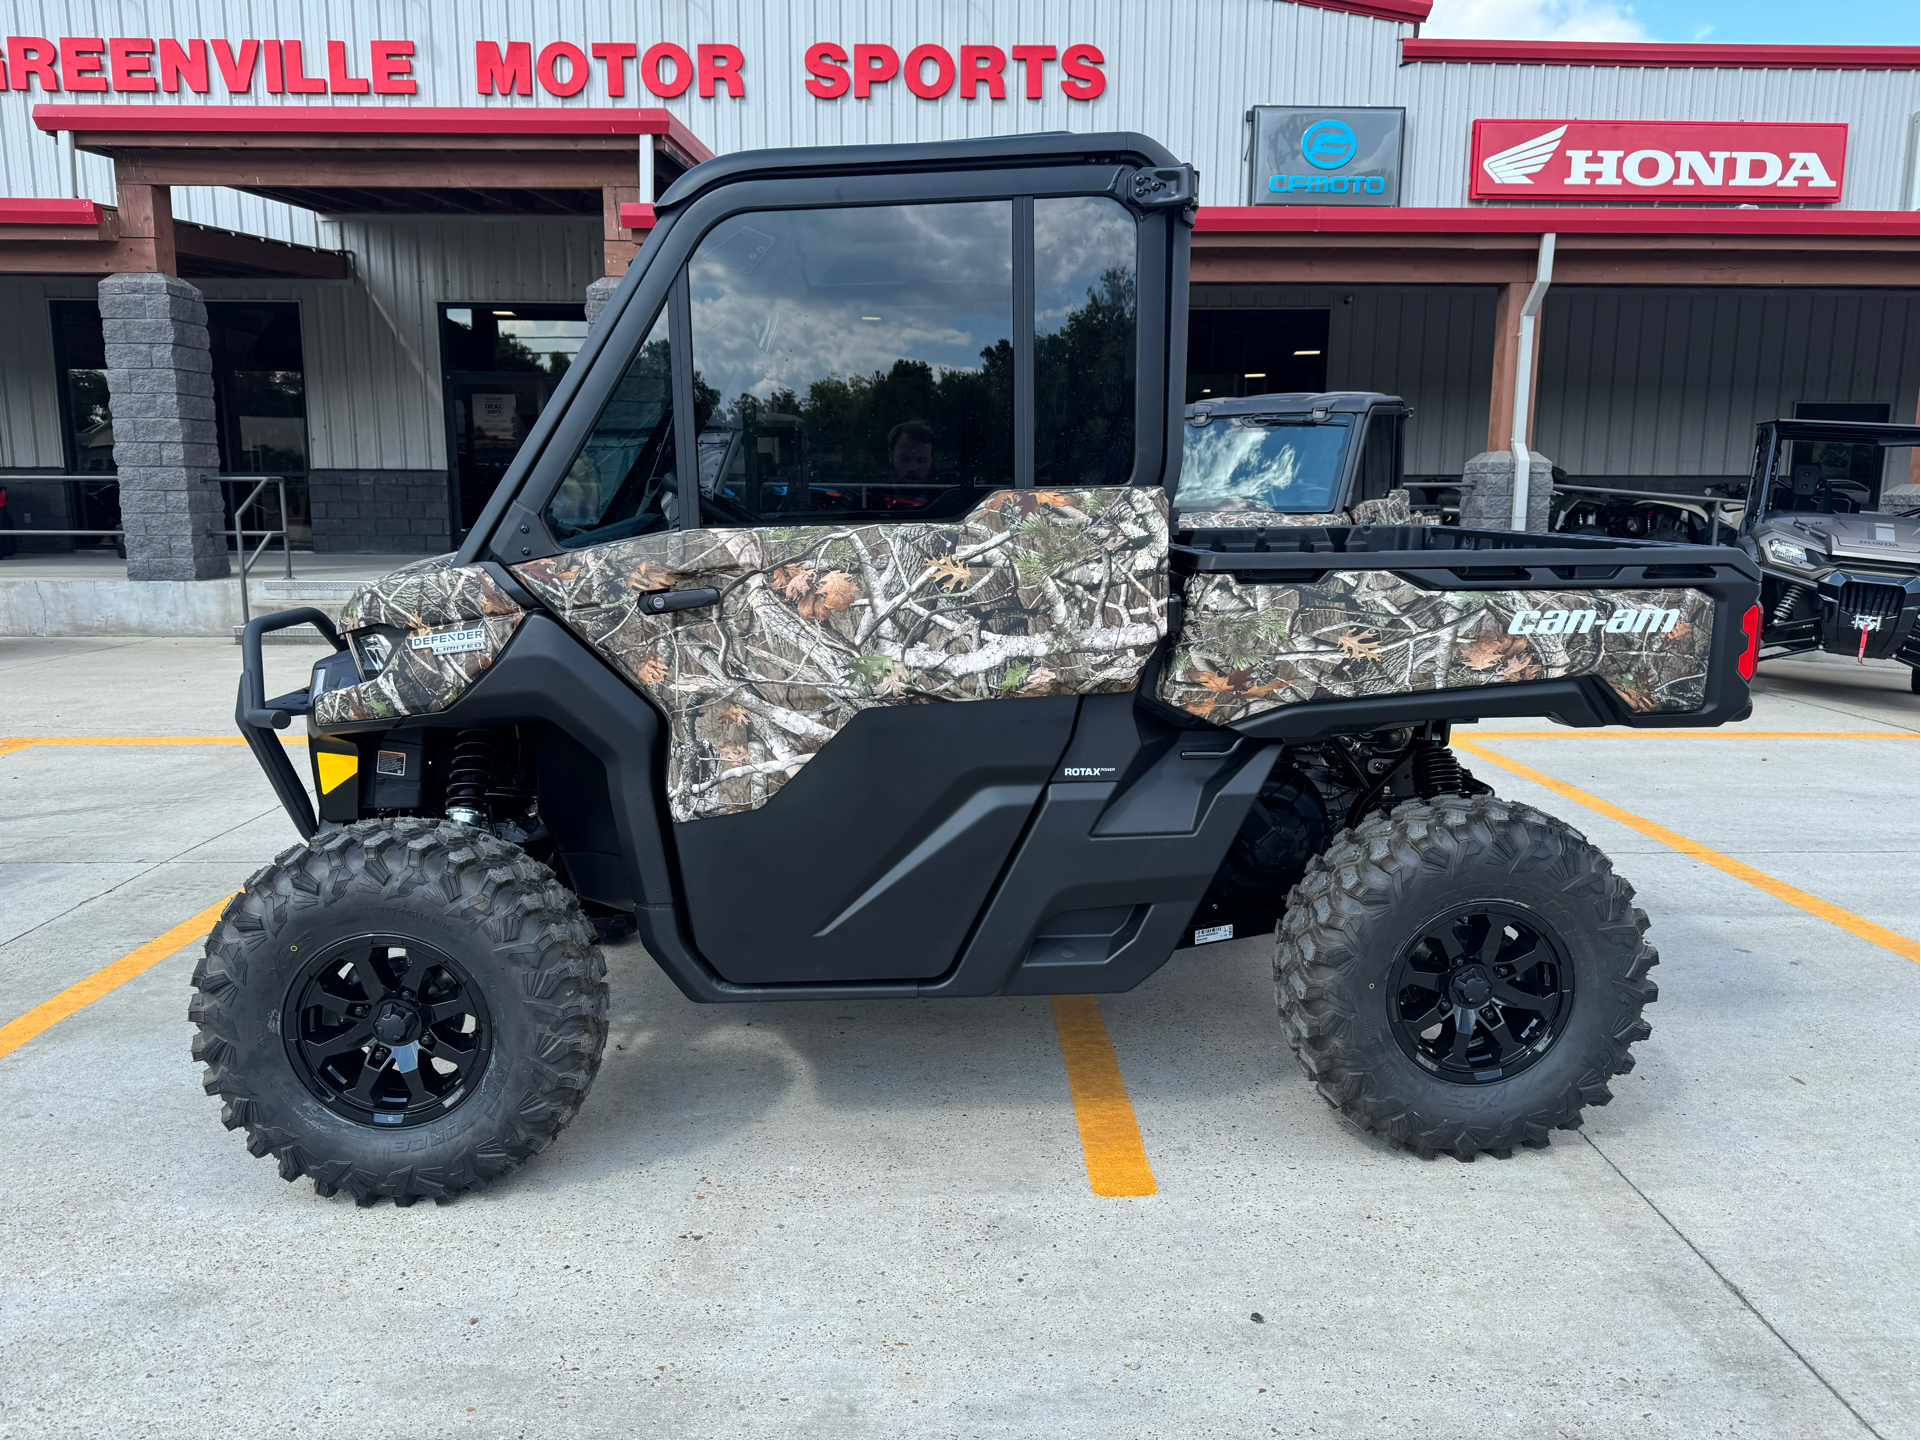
x: 841, y: 628
x: 1831, y: 520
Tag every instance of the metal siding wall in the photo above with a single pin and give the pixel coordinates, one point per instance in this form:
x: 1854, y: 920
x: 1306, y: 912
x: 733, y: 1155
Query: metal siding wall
x: 372, y: 346
x: 1432, y: 346
x: 1673, y: 382
x: 1183, y: 71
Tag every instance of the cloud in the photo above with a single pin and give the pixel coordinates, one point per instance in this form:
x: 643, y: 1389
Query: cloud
x: 1535, y: 20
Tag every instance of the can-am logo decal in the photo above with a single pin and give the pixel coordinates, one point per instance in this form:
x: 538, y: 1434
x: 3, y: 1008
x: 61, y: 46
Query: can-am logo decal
x: 1615, y: 160
x: 1651, y: 621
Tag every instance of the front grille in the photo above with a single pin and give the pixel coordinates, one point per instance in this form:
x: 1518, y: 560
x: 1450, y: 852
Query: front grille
x: 1859, y: 599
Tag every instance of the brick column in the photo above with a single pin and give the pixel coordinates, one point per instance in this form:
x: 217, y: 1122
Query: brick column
x: 598, y: 294
x: 160, y: 385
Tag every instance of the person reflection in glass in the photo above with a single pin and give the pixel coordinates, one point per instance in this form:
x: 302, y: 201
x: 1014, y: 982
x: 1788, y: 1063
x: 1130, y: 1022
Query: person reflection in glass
x: 910, y: 451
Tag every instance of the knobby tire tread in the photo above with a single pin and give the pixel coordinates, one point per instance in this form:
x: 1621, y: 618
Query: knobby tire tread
x: 512, y: 903
x: 1329, y: 946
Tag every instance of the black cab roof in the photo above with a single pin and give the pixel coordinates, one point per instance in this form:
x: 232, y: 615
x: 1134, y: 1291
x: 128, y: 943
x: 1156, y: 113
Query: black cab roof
x: 1295, y: 402
x: 1057, y: 147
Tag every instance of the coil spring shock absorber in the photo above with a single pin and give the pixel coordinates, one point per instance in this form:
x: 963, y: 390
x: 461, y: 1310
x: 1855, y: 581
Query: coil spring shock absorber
x: 468, y: 775
x: 1791, y: 595
x: 1436, y: 771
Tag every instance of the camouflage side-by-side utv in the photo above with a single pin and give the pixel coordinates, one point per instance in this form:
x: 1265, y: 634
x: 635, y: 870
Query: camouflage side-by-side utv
x: 846, y: 624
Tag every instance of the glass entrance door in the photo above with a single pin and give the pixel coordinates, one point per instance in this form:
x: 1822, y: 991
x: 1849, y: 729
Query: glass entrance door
x: 500, y: 364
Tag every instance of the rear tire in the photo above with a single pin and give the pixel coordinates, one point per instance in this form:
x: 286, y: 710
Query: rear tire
x: 1380, y: 913
x: 502, y: 990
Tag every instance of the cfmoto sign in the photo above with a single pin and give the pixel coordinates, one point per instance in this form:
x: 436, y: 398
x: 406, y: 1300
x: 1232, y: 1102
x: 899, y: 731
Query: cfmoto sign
x: 1311, y: 156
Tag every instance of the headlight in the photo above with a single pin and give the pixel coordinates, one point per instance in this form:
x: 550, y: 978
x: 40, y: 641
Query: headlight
x: 1788, y: 553
x: 371, y: 650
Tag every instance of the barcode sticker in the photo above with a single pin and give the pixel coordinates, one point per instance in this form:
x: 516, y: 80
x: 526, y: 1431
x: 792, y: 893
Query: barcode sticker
x: 1213, y: 933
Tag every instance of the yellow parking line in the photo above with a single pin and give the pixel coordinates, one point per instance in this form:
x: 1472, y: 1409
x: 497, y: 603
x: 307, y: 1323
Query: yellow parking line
x: 1867, y: 930
x: 1570, y: 733
x: 17, y: 1033
x: 1110, y: 1136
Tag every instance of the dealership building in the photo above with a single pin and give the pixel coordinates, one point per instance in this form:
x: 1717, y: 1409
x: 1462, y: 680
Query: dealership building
x: 400, y: 223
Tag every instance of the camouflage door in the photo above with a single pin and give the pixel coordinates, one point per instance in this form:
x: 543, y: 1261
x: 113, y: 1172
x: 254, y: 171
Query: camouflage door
x: 865, y: 562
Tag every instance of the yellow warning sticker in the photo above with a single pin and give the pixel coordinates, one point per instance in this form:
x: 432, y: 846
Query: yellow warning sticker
x: 334, y: 768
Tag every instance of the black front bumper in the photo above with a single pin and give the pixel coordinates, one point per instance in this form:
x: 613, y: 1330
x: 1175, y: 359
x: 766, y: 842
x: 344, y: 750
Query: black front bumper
x: 1863, y: 613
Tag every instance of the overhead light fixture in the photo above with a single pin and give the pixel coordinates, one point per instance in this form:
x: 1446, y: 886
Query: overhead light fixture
x: 1255, y: 375
x: 1307, y: 352
x: 1206, y: 391
x: 507, y: 313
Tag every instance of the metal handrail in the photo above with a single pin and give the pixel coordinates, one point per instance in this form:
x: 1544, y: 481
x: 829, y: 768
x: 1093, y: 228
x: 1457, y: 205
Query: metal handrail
x: 240, y: 535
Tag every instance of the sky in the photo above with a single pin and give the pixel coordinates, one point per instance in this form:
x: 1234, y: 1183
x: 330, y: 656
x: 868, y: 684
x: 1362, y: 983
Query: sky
x: 1726, y: 22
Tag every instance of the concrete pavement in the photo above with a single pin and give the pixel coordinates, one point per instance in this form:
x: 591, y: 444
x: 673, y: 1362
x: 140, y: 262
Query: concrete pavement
x: 873, y: 1218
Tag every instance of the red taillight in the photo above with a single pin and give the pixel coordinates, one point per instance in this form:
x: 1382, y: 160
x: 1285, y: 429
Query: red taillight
x: 1751, y: 626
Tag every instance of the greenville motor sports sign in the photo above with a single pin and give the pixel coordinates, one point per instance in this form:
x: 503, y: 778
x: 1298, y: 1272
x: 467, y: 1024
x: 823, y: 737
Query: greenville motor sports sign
x: 1615, y: 160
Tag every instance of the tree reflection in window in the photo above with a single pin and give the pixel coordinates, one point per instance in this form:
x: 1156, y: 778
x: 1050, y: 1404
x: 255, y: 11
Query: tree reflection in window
x: 1086, y: 320
x: 865, y: 357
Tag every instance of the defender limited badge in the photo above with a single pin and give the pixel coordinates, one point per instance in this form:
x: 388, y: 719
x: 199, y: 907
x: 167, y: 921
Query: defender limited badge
x: 451, y: 642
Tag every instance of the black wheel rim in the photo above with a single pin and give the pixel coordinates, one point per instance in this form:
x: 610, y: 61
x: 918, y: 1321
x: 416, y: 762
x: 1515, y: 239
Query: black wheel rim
x: 387, y: 1032
x: 1481, y: 993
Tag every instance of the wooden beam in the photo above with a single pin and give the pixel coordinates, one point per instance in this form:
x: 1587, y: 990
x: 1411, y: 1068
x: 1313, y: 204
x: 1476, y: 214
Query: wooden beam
x: 619, y: 245
x: 1507, y: 350
x: 260, y: 257
x: 75, y: 257
x: 146, y: 218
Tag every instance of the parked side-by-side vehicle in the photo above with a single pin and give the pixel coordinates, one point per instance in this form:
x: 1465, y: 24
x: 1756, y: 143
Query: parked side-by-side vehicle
x: 850, y: 623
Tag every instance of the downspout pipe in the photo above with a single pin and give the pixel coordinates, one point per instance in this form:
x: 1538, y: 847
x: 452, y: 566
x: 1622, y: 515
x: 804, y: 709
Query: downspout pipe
x: 1523, y: 375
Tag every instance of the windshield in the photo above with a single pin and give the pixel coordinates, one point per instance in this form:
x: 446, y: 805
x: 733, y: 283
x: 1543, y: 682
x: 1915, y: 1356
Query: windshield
x: 1257, y: 462
x: 1842, y: 477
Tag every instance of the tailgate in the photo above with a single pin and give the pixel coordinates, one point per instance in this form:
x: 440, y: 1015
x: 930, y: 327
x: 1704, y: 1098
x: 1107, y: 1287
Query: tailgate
x: 1299, y: 633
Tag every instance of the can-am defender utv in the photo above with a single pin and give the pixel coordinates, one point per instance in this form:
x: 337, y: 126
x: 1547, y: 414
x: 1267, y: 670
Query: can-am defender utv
x: 838, y: 622
x: 1831, y: 520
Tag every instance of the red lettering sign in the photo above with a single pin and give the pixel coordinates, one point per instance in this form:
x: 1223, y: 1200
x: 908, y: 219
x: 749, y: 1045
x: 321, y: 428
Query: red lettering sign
x: 1608, y: 161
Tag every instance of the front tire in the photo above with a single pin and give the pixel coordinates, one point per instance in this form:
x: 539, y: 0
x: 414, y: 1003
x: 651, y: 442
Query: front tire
x: 1463, y: 975
x: 403, y: 1008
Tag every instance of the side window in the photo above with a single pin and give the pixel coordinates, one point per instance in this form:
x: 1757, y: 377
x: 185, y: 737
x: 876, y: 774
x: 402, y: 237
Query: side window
x: 1380, y: 458
x: 622, y: 482
x: 859, y: 361
x: 1086, y: 318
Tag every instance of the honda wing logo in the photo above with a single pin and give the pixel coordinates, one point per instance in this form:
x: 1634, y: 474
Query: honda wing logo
x: 1514, y: 164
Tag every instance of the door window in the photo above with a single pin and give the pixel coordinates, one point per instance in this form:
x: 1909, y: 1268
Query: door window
x: 861, y: 361
x: 1380, y: 457
x: 1086, y: 317
x: 622, y: 482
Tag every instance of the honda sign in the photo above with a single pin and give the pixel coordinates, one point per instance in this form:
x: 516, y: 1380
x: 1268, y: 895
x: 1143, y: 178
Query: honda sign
x: 1615, y: 160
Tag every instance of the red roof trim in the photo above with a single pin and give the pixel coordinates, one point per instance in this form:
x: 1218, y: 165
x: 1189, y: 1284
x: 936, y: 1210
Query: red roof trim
x: 1641, y: 55
x: 1408, y: 12
x: 48, y: 212
x: 1536, y: 220
x: 371, y: 120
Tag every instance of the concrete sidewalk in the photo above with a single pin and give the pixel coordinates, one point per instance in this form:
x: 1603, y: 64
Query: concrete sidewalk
x: 871, y: 1218
x: 87, y: 593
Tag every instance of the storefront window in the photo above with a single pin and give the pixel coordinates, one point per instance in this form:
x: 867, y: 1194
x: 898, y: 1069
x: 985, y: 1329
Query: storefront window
x: 500, y: 364
x: 862, y: 358
x: 260, y: 406
x: 86, y: 417
x: 1255, y: 352
x: 1085, y: 320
